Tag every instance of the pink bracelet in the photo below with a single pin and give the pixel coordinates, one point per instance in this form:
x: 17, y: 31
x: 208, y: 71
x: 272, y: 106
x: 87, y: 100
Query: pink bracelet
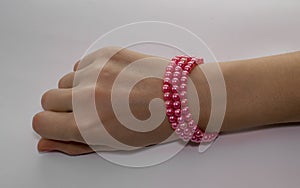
x: 176, y: 102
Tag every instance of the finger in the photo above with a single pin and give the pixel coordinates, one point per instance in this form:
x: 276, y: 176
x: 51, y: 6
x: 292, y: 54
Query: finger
x: 66, y: 81
x: 58, y: 100
x: 70, y: 148
x: 56, y: 126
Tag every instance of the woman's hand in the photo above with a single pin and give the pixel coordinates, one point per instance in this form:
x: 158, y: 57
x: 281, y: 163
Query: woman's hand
x: 106, y: 103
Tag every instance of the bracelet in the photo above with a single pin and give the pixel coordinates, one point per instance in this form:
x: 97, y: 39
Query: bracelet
x: 176, y: 102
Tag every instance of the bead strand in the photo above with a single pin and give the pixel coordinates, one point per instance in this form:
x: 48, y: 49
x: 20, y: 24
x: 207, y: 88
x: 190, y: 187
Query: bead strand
x: 176, y: 102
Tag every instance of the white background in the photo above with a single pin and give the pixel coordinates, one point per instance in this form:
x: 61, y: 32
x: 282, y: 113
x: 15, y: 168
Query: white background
x: 41, y: 40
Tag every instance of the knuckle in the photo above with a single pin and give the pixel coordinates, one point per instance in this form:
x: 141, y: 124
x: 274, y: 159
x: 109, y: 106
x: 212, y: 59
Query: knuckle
x: 61, y: 82
x: 64, y: 80
x: 45, y: 99
x: 36, y: 121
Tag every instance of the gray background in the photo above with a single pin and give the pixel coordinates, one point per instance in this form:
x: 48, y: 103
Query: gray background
x: 40, y: 41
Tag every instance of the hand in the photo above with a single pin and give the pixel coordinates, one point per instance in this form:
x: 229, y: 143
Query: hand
x: 130, y: 118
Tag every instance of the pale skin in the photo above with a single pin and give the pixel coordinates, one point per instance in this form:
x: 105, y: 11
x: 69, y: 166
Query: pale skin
x: 262, y: 91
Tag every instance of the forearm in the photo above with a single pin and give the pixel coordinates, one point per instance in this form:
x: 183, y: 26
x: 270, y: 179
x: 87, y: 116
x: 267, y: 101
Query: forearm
x: 259, y: 91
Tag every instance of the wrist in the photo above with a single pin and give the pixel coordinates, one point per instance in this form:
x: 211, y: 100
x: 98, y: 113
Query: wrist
x: 203, y: 95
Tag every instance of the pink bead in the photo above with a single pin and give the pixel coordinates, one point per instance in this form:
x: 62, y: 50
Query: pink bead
x: 178, y: 131
x: 188, y: 117
x: 186, y: 131
x: 185, y: 110
x: 168, y: 74
x: 180, y: 119
x: 183, y: 80
x: 176, y: 74
x: 175, y: 89
x: 167, y: 80
x: 199, y: 61
x: 188, y: 68
x: 177, y: 112
x: 175, y: 59
x: 198, y: 134
x: 181, y: 64
x: 183, y: 94
x: 191, y: 133
x: 191, y: 63
x: 184, y: 102
x: 215, y: 135
x: 205, y: 138
x: 182, y: 125
x: 169, y: 104
x: 191, y: 124
x: 178, y: 69
x: 167, y: 96
x: 209, y: 137
x: 169, y: 68
x: 183, y: 87
x: 172, y: 63
x: 176, y: 105
x: 185, y: 73
x: 175, y: 81
x: 194, y: 138
x: 181, y: 135
x: 166, y: 88
x: 172, y: 119
x: 169, y: 111
x: 174, y: 125
x: 175, y: 97
x: 183, y: 58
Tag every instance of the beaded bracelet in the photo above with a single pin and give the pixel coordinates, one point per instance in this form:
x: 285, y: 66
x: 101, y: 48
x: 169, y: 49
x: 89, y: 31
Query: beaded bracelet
x: 176, y: 102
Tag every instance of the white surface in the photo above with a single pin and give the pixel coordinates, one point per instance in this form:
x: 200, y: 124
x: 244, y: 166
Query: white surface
x: 40, y: 41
